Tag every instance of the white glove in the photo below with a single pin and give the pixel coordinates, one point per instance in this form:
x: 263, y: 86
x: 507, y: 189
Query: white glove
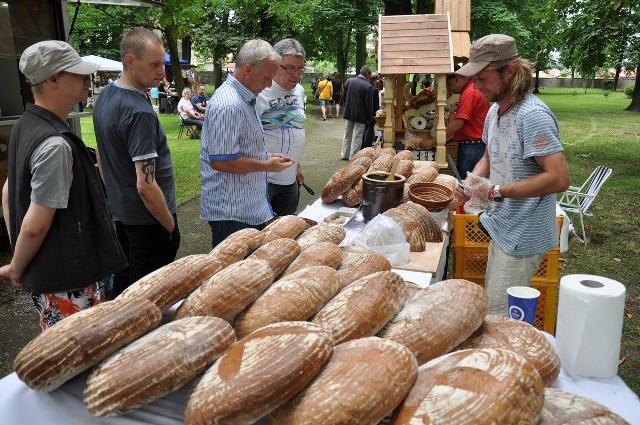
x: 477, y: 188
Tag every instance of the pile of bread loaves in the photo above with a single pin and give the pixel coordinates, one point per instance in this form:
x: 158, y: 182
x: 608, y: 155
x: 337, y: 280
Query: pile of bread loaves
x: 285, y: 325
x: 347, y: 181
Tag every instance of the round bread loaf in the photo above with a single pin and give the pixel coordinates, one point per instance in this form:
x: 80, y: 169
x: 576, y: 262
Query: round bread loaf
x: 365, y: 161
x: 359, y: 262
x: 237, y: 246
x: 171, y: 283
x: 259, y: 373
x: 364, y: 307
x: 436, y: 320
x: 156, y: 364
x: 364, y: 380
x: 474, y: 387
x: 424, y: 164
x: 521, y: 338
x: 353, y: 196
x: 405, y: 167
x: 563, y: 408
x: 404, y: 155
x: 382, y: 163
x: 384, y: 151
x: 82, y: 340
x: 297, y: 296
x: 341, y: 180
x: 321, y: 254
x: 288, y: 226
x: 321, y: 232
x: 417, y: 224
x: 229, y: 291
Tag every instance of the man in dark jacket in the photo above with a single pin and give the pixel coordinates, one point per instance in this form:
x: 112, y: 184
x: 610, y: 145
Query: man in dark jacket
x: 358, y: 111
x: 61, y: 234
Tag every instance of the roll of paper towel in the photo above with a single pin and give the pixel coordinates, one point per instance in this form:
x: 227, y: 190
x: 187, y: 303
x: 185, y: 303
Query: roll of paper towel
x: 419, y: 123
x: 589, y: 325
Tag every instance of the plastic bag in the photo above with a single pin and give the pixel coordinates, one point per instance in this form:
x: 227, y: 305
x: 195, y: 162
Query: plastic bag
x: 384, y: 236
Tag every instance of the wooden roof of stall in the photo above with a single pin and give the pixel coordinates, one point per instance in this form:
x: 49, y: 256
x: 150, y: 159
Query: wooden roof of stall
x: 460, y: 16
x: 415, y: 44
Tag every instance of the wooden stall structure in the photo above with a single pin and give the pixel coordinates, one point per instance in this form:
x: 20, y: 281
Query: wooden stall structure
x: 421, y: 44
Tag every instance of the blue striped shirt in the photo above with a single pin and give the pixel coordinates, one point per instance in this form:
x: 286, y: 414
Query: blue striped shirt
x: 232, y: 129
x: 521, y: 227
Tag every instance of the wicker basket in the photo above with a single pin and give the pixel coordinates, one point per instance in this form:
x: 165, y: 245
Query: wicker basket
x: 432, y: 196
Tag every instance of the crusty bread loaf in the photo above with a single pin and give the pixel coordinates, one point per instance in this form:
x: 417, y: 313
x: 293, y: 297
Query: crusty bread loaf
x: 353, y: 196
x: 417, y: 224
x: 458, y: 197
x: 359, y: 262
x: 237, y: 246
x: 564, y: 408
x: 278, y: 253
x: 405, y: 167
x: 368, y: 152
x: 322, y: 232
x: 436, y: 320
x: 288, y: 226
x: 384, y: 151
x: 404, y: 154
x: 447, y: 180
x: 341, y: 180
x: 412, y: 288
x: 382, y: 163
x: 229, y: 291
x: 521, y: 338
x: 258, y: 374
x: 424, y: 164
x: 156, y: 364
x: 478, y: 386
x: 82, y: 340
x: 365, y: 161
x: 364, y: 307
x: 362, y: 382
x: 297, y: 296
x: 321, y: 254
x: 171, y: 283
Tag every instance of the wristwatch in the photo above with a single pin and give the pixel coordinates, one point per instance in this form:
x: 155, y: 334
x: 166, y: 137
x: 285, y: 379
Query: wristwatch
x: 495, y: 193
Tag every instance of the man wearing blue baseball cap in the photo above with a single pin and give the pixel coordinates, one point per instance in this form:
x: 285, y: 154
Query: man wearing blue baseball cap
x: 61, y: 235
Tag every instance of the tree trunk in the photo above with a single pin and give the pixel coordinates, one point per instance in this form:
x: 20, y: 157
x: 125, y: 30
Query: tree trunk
x: 186, y: 48
x: 361, y: 51
x: 341, y: 57
x: 172, y: 43
x: 635, y: 97
x: 397, y: 7
x: 536, y: 87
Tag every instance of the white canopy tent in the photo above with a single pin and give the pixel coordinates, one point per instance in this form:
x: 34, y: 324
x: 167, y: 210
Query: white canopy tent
x: 105, y: 65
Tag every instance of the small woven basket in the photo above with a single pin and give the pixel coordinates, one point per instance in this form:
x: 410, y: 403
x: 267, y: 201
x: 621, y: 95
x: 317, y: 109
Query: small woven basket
x: 433, y: 196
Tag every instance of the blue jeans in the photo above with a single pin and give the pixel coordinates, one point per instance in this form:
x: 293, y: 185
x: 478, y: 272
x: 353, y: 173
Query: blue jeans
x: 284, y: 198
x: 468, y: 157
x: 223, y: 228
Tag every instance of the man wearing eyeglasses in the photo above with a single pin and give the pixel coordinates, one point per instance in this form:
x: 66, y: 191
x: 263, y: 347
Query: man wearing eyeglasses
x: 281, y: 109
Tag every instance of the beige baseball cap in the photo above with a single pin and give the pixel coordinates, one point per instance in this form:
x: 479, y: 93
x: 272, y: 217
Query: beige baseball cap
x: 46, y: 58
x: 490, y: 48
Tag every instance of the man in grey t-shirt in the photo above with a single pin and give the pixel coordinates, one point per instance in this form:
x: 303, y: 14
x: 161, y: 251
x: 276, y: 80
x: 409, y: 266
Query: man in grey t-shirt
x: 135, y: 161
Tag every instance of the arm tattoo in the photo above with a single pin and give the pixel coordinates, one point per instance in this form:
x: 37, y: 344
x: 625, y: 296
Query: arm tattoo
x: 149, y: 170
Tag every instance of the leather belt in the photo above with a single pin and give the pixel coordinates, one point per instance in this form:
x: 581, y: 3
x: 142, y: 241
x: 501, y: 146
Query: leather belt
x: 470, y: 142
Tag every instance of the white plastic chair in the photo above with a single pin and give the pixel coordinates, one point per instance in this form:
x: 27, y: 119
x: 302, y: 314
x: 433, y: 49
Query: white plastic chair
x: 578, y: 200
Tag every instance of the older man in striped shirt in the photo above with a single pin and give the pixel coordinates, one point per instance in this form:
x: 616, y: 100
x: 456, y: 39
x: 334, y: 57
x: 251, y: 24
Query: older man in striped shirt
x: 233, y: 158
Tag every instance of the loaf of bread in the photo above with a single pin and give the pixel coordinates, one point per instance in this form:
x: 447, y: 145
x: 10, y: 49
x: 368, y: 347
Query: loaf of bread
x: 382, y: 163
x: 451, y: 182
x: 423, y: 164
x: 297, y: 296
x: 564, y: 408
x: 359, y: 262
x: 321, y: 254
x: 229, y: 291
x: 412, y: 288
x: 341, y: 180
x: 364, y: 380
x: 436, y: 320
x: 237, y: 246
x: 156, y: 364
x: 321, y: 232
x: 417, y: 224
x: 384, y: 151
x: 171, y: 283
x: 82, y: 340
x: 521, y: 338
x: 368, y: 152
x: 405, y: 167
x: 353, y: 196
x: 477, y: 386
x: 288, y: 226
x: 259, y: 373
x: 365, y: 161
x: 278, y: 253
x: 364, y: 307
x: 404, y: 154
